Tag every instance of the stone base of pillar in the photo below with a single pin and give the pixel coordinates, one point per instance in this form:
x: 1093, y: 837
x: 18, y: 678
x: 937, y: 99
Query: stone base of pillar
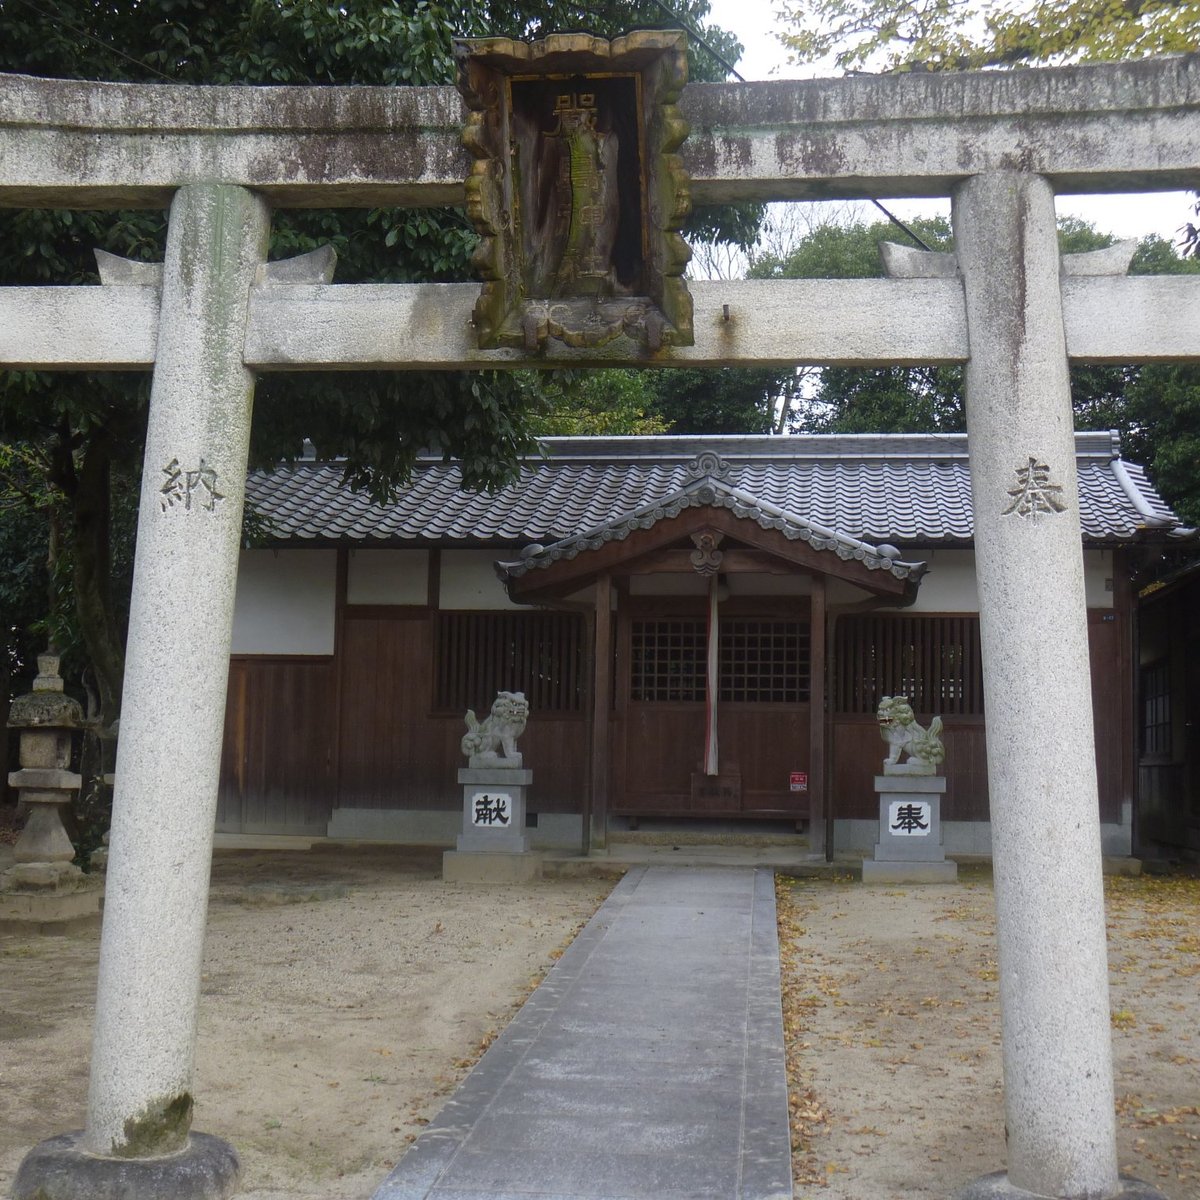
x: 997, y: 1187
x: 61, y: 1169
x: 490, y: 866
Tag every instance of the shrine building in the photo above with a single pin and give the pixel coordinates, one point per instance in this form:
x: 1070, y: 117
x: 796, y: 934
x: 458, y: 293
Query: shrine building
x: 823, y: 572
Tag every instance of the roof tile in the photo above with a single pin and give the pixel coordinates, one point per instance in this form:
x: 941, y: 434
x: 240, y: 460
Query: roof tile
x: 907, y: 488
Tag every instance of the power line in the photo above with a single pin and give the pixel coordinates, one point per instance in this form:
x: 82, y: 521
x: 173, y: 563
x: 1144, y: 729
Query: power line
x: 696, y: 36
x: 57, y: 18
x: 895, y: 220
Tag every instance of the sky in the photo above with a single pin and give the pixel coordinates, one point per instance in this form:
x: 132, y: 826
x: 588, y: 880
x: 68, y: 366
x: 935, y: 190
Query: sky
x: 1126, y: 216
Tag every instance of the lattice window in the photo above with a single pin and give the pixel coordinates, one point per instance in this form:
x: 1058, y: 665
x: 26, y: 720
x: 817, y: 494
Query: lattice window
x: 1156, y: 709
x: 762, y: 660
x: 539, y: 653
x: 934, y: 661
x: 667, y: 660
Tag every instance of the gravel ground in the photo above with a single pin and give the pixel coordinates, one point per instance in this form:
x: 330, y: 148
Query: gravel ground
x: 346, y: 994
x: 894, y: 1029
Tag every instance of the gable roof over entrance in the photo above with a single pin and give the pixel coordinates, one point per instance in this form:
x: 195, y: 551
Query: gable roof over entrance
x: 907, y: 489
x: 709, y: 505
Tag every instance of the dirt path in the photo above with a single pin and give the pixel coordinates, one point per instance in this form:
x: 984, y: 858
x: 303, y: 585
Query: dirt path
x: 331, y: 1029
x: 893, y: 1018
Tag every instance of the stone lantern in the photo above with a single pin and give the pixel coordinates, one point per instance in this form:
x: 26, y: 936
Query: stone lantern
x: 44, y: 886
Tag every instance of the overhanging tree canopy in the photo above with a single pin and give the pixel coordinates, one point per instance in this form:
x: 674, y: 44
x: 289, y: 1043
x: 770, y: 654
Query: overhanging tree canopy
x: 86, y: 428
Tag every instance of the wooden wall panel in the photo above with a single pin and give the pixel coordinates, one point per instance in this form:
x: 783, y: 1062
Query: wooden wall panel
x: 766, y: 743
x: 277, y: 760
x: 391, y: 754
x: 664, y: 745
x: 1109, y: 697
x: 858, y: 754
x: 858, y: 750
x: 233, y: 751
x: 395, y: 754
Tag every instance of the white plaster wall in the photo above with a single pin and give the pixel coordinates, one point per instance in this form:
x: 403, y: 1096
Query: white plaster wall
x: 387, y: 577
x: 468, y: 580
x: 949, y: 584
x: 673, y: 584
x: 285, y: 602
x: 1098, y: 578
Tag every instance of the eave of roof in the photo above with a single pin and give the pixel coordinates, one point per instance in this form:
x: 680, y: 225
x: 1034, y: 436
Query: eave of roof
x: 709, y: 492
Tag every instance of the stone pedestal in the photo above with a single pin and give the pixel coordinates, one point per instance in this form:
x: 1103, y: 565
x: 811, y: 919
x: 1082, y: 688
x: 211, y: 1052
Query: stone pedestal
x: 44, y: 891
x: 493, y: 846
x: 910, y: 847
x: 494, y: 809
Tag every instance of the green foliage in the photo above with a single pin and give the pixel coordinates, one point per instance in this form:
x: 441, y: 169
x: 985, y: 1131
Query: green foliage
x: 89, y: 429
x: 958, y: 35
x: 597, y: 403
x: 1164, y: 432
x: 726, y: 400
x: 848, y: 251
x: 24, y: 552
x: 1155, y: 409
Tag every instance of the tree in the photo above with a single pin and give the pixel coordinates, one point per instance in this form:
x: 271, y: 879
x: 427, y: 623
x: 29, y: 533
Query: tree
x: 86, y: 428
x: 1155, y: 409
x: 722, y: 400
x: 604, y: 403
x: 959, y: 35
x: 875, y: 399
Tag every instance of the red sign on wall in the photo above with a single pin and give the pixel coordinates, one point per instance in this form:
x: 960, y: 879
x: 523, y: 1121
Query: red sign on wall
x: 798, y: 781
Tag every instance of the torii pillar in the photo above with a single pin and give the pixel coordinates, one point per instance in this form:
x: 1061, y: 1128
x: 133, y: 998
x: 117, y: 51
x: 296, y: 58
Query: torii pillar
x: 1057, y: 1049
x: 138, y: 1141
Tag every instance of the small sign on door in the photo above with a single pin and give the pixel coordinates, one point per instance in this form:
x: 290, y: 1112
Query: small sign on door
x: 798, y: 781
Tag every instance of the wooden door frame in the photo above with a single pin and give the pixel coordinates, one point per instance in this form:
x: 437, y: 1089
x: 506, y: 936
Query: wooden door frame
x: 632, y: 607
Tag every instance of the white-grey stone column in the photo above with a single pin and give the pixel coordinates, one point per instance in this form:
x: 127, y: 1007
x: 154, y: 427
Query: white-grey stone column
x: 168, y: 762
x: 1041, y: 755
x: 177, y: 666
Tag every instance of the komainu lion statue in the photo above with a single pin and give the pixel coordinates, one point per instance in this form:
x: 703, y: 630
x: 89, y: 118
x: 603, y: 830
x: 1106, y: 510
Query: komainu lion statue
x: 899, y: 728
x: 498, y: 730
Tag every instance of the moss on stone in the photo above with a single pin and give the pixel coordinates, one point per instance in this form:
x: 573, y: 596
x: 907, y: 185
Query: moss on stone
x: 160, y: 1128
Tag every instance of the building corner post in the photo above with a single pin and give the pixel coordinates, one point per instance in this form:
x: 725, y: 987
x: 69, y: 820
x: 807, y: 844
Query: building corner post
x: 1057, y: 1056
x: 138, y: 1139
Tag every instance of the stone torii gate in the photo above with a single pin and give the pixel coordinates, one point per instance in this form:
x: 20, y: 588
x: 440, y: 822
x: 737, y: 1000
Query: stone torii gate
x: 214, y: 315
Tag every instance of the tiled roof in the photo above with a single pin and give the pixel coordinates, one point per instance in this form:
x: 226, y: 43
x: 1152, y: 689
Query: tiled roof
x: 910, y: 489
x: 707, y: 491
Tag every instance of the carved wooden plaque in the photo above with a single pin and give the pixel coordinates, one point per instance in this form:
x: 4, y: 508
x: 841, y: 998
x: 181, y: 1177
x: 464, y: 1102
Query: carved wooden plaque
x: 577, y: 192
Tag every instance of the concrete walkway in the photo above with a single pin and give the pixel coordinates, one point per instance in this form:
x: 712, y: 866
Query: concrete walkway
x: 649, y: 1064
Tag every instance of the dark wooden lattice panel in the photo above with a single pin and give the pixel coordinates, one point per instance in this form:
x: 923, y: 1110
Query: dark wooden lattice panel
x: 933, y: 660
x: 667, y: 660
x: 482, y: 653
x: 1156, y: 709
x: 764, y: 661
